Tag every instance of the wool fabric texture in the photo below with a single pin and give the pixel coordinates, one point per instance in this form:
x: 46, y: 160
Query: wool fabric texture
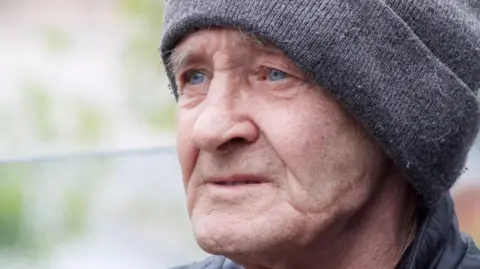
x: 408, y: 70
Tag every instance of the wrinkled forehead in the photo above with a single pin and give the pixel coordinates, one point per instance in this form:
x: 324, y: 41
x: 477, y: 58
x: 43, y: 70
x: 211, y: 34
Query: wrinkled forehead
x: 202, y: 39
x: 202, y: 42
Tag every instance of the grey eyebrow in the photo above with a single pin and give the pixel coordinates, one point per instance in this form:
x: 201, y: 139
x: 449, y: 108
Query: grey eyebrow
x: 179, y: 59
x: 184, y: 56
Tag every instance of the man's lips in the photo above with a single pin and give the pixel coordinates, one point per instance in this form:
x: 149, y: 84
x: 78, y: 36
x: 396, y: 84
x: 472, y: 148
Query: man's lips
x: 236, y: 180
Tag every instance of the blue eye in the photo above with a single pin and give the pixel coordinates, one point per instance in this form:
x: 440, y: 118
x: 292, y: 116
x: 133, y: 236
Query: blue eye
x: 276, y: 75
x: 195, y: 77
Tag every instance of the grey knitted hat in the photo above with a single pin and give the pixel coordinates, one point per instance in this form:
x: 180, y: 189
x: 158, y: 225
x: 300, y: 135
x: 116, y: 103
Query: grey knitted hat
x: 408, y: 70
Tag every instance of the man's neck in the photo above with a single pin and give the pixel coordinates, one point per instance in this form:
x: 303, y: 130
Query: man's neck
x: 375, y: 237
x: 379, y: 234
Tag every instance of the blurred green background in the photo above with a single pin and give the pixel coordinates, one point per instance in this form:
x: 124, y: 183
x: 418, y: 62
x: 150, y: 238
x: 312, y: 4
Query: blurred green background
x: 82, y: 77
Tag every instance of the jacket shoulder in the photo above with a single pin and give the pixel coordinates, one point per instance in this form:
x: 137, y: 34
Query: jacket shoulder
x: 212, y: 262
x: 471, y: 260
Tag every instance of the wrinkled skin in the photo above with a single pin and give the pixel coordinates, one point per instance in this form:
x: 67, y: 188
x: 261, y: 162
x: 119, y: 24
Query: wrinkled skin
x: 245, y: 111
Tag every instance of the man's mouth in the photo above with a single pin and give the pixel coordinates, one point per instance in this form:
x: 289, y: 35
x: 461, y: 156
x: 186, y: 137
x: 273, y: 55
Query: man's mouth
x: 233, y: 187
x: 236, y: 183
x: 238, y: 180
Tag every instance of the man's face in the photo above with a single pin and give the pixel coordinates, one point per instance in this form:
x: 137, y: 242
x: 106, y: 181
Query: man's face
x: 268, y: 158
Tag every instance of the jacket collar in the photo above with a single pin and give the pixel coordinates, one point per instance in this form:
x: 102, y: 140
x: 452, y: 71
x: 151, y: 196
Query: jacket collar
x: 438, y: 232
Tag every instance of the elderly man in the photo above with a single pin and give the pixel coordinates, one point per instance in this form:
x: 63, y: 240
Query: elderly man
x: 325, y: 133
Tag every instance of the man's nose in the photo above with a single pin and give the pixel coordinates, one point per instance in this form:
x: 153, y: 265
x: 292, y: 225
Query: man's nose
x: 220, y: 128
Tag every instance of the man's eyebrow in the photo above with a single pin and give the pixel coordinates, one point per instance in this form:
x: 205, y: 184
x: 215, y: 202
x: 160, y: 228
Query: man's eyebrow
x: 181, y: 58
x: 186, y: 56
x: 261, y: 43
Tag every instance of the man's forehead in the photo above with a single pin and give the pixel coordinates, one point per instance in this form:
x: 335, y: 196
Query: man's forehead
x: 202, y: 37
x: 206, y: 41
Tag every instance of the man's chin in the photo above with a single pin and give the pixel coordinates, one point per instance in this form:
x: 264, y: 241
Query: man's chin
x: 231, y: 238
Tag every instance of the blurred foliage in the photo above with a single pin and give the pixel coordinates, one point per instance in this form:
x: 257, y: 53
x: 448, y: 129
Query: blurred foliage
x: 5, y: 124
x: 14, y: 233
x: 90, y: 122
x: 11, y: 210
x: 76, y: 200
x: 144, y: 78
x: 26, y: 231
x: 142, y: 47
x: 40, y: 106
x: 55, y: 40
x: 163, y: 117
x: 147, y: 96
x: 43, y: 110
x: 76, y: 205
x: 77, y: 121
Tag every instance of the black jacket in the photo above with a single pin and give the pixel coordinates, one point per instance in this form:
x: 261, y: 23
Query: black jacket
x: 438, y: 245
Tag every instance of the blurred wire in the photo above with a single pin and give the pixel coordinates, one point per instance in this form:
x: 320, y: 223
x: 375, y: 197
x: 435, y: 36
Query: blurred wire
x: 86, y: 155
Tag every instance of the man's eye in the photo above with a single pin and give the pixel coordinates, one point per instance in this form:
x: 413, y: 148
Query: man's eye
x: 195, y: 77
x: 276, y: 75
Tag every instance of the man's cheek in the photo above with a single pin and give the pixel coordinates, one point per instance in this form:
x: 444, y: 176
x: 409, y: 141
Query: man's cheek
x: 187, y: 157
x: 187, y: 153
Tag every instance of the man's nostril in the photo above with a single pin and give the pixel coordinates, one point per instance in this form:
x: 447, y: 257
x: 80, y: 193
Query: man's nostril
x: 232, y: 143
